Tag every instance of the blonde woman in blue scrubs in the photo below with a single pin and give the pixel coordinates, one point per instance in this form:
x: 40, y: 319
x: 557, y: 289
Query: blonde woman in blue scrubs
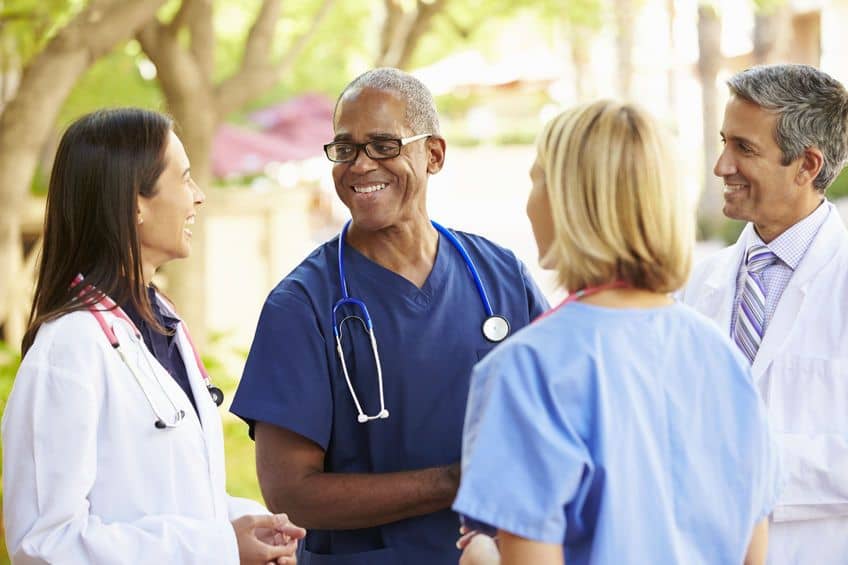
x: 621, y: 427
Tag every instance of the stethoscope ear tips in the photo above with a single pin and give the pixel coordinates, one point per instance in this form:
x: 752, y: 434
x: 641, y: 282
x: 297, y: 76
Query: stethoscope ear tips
x: 362, y: 418
x: 160, y: 425
x: 383, y: 414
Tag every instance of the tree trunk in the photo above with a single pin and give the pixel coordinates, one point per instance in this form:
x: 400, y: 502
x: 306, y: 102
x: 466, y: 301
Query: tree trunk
x: 28, y: 118
x: 402, y: 31
x: 807, y: 37
x: 770, y: 31
x: 198, y: 106
x: 709, y: 62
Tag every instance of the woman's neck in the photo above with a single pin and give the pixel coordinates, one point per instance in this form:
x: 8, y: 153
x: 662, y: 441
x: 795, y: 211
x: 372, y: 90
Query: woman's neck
x: 628, y: 298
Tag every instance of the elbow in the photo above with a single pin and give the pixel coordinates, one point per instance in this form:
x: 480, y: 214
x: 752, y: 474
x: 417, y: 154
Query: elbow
x: 289, y: 500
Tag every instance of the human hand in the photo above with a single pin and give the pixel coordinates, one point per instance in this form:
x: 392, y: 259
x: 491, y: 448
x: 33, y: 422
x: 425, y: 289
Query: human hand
x: 267, y: 539
x: 285, y: 534
x: 478, y: 548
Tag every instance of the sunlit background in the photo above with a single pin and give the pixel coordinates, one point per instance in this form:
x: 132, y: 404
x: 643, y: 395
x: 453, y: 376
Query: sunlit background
x: 252, y: 83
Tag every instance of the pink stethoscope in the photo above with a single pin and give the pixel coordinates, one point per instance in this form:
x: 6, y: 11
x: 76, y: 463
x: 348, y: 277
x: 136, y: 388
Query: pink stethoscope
x: 98, y: 303
x: 582, y: 293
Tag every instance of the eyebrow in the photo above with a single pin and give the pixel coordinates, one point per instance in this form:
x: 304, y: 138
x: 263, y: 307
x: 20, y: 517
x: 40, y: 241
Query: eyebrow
x: 739, y: 138
x: 371, y: 136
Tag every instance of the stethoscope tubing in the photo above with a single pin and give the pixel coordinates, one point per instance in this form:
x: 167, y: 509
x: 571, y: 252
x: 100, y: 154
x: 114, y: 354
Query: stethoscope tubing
x: 472, y: 269
x: 495, y: 328
x: 97, y: 303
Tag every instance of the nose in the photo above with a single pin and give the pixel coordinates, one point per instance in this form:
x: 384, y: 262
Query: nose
x: 199, y: 195
x: 724, y: 165
x: 363, y: 163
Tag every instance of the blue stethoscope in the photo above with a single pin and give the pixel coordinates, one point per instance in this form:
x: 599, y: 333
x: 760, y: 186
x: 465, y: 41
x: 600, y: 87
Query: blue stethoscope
x: 495, y: 328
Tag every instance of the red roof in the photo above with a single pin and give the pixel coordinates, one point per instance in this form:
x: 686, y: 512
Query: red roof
x: 294, y: 130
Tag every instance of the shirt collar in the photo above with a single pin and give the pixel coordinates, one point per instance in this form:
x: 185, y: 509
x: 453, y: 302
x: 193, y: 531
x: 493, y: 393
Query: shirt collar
x: 161, y: 315
x: 791, y: 245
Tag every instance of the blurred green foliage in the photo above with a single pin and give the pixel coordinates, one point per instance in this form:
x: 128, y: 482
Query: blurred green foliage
x: 224, y: 363
x: 26, y: 25
x: 839, y: 188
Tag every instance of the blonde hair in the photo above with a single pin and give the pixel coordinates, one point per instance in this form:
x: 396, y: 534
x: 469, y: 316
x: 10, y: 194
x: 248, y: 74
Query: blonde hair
x: 619, y: 211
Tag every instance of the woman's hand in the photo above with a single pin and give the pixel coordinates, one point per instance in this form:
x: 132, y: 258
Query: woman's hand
x: 477, y: 548
x: 267, y: 539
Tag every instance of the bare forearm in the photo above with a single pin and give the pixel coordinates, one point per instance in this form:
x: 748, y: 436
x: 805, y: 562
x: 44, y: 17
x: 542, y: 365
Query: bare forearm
x: 350, y: 501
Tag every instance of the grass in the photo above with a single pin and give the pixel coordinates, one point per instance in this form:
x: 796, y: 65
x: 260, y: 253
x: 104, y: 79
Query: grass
x: 241, y: 463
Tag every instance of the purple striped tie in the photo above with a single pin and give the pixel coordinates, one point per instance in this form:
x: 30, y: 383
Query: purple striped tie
x: 750, y: 317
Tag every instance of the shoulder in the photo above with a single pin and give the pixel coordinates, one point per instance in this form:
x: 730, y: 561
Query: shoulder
x: 483, y: 246
x: 712, y: 261
x: 73, y: 340
x: 532, y: 348
x: 71, y: 331
x: 717, y: 262
x: 313, y: 277
x: 490, y: 257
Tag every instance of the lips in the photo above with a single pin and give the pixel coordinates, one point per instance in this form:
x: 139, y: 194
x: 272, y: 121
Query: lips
x: 368, y: 188
x: 189, y: 222
x: 730, y: 188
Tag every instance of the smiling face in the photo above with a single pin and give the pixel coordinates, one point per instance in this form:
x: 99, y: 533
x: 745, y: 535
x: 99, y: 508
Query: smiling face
x: 757, y: 186
x: 383, y: 193
x: 166, y: 217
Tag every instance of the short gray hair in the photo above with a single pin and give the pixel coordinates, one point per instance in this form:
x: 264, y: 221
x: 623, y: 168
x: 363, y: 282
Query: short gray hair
x: 812, y: 110
x: 421, y: 114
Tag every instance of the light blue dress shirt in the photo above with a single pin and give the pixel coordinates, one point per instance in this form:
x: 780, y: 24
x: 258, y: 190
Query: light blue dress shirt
x: 789, y: 247
x: 627, y: 435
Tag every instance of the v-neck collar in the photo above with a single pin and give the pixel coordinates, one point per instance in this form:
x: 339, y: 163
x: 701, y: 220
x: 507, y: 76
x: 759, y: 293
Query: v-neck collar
x: 359, y: 266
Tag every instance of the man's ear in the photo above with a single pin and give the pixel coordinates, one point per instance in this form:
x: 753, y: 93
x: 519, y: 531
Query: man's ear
x: 811, y: 164
x: 436, y: 147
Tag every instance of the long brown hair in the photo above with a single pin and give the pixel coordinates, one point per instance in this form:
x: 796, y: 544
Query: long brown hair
x: 105, y: 161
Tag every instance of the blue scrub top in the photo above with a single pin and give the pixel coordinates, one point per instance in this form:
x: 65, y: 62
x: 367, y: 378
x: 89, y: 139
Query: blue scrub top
x: 626, y: 435
x: 428, y: 341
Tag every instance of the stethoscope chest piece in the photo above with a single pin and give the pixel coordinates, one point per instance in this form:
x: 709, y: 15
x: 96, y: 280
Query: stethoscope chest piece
x: 495, y: 328
x: 217, y: 395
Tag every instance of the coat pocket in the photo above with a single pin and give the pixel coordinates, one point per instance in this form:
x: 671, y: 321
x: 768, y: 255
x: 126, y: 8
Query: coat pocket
x: 809, y: 395
x: 815, y: 476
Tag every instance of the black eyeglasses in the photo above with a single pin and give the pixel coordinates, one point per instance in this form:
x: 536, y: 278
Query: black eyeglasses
x: 345, y: 151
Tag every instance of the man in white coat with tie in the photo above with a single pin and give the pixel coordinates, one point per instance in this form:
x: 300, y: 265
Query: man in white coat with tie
x: 781, y: 292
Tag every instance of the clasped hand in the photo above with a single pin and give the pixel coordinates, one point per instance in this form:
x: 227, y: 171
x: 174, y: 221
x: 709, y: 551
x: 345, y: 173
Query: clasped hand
x: 267, y: 539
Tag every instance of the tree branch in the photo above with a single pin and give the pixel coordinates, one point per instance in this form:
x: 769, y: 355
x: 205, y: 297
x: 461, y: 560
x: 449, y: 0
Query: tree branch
x: 253, y: 77
x: 420, y: 26
x: 394, y: 15
x: 405, y: 31
x: 202, y: 29
x: 180, y: 18
x: 257, y: 47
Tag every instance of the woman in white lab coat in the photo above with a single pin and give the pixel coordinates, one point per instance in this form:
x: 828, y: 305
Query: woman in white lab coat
x: 113, y: 448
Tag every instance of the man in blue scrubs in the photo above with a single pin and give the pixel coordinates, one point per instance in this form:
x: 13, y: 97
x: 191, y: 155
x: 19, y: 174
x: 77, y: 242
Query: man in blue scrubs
x: 379, y: 491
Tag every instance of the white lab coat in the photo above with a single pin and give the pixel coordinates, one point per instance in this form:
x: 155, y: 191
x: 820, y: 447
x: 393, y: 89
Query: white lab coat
x: 801, y: 369
x: 87, y: 478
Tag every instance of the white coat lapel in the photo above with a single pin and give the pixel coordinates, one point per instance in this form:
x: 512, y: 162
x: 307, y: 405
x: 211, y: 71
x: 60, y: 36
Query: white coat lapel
x: 819, y: 254
x: 210, y: 420
x: 716, y: 301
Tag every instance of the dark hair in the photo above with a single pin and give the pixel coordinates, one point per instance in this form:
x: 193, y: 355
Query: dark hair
x: 105, y: 160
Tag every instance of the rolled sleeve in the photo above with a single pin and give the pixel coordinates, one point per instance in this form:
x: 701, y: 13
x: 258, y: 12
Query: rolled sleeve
x: 524, y: 468
x: 286, y: 377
